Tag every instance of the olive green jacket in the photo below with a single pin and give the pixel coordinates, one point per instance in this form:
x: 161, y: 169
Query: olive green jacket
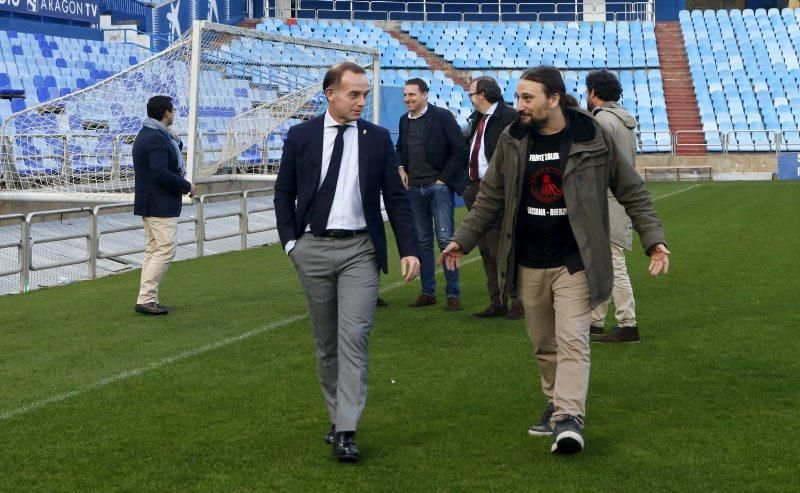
x: 593, y: 165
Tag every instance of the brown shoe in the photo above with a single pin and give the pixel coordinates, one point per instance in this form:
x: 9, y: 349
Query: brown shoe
x: 492, y: 311
x: 453, y: 304
x: 620, y: 334
x: 151, y: 308
x: 424, y: 300
x: 516, y: 312
x: 596, y: 330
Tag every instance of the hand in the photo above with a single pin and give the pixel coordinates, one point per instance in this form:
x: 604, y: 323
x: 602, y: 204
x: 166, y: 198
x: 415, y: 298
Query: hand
x: 451, y: 256
x: 409, y: 268
x: 404, y: 177
x: 659, y: 260
x: 193, y: 190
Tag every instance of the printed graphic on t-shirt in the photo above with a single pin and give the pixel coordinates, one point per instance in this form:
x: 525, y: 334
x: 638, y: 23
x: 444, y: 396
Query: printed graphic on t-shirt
x: 544, y: 185
x: 544, y: 235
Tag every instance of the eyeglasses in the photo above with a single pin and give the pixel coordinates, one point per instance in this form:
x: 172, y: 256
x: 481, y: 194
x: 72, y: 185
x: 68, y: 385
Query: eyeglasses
x: 470, y: 94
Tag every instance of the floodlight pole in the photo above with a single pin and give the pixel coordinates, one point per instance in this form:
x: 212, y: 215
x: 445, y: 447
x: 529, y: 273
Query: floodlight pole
x: 192, y: 155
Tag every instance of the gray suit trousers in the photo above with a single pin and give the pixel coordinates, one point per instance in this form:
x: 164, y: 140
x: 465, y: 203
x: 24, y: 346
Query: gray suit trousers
x: 340, y: 279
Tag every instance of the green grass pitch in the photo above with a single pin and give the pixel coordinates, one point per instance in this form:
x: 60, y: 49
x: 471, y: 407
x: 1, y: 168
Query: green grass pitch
x: 222, y: 394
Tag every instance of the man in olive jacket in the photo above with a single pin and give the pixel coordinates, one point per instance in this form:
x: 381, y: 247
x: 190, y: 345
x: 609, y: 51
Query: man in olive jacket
x: 548, y: 180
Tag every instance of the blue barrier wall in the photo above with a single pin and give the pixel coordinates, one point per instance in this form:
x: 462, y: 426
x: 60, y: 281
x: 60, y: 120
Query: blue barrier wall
x: 667, y: 10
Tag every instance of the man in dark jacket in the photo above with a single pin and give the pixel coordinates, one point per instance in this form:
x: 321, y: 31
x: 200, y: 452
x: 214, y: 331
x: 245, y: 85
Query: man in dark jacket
x: 548, y: 181
x: 433, y: 166
x: 159, y: 184
x: 490, y: 118
x: 334, y: 170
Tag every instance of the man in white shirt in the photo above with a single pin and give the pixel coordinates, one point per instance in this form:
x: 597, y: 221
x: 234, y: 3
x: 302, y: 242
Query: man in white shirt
x: 334, y: 169
x: 490, y: 118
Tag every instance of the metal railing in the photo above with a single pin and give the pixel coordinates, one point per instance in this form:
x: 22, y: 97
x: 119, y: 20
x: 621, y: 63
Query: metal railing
x: 776, y: 144
x: 95, y: 231
x: 156, y: 42
x: 38, y: 217
x: 381, y: 10
x: 21, y: 244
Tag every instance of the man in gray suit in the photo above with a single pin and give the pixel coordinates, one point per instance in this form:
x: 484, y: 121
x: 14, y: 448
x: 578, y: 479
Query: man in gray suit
x: 327, y: 205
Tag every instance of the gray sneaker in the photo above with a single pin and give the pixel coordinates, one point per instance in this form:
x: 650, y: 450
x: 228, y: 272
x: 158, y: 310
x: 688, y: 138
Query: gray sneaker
x: 567, y: 436
x: 543, y: 428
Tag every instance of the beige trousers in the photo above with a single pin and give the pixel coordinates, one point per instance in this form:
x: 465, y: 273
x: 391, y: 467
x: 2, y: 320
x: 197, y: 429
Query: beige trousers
x: 161, y: 242
x: 557, y: 315
x: 622, y: 294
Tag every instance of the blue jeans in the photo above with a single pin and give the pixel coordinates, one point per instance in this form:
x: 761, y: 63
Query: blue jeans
x: 434, y: 208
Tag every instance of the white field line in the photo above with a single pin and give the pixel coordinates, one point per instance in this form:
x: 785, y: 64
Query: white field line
x: 676, y: 192
x: 170, y: 360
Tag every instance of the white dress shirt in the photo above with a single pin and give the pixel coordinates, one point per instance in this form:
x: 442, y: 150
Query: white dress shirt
x: 347, y: 211
x: 412, y: 117
x: 483, y: 164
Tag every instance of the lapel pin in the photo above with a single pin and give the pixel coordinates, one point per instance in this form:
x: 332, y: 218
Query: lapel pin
x: 364, y: 132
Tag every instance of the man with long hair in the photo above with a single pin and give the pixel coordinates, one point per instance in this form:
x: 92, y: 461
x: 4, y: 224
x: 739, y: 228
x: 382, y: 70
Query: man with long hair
x: 548, y: 180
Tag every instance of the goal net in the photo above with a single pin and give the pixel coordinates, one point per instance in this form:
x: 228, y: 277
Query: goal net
x: 236, y: 92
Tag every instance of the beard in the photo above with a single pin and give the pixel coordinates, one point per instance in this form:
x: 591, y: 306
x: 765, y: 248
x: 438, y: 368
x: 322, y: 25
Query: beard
x: 531, y: 122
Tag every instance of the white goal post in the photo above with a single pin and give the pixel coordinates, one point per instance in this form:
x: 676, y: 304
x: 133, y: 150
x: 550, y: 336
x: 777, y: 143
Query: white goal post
x: 236, y: 91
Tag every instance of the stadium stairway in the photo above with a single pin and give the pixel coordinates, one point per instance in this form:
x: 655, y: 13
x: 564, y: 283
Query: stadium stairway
x: 249, y: 23
x: 434, y: 61
x: 679, y: 96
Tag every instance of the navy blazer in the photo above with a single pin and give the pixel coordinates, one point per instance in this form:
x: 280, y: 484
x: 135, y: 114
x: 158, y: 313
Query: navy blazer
x: 299, y: 178
x: 159, y: 184
x: 445, y: 148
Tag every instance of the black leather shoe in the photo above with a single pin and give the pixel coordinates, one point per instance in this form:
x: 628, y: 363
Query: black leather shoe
x: 344, y: 448
x: 166, y: 307
x: 150, y: 309
x: 330, y: 435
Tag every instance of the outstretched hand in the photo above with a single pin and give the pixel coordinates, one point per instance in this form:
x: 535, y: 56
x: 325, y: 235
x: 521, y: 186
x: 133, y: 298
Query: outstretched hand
x: 659, y: 260
x: 451, y: 256
x: 409, y: 268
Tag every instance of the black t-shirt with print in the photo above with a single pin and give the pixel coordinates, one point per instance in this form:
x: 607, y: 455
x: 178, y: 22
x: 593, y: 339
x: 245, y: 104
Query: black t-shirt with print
x: 544, y: 236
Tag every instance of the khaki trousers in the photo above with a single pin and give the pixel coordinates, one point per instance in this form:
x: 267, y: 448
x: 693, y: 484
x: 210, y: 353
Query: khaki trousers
x: 488, y: 245
x: 622, y: 294
x: 161, y: 242
x: 557, y: 315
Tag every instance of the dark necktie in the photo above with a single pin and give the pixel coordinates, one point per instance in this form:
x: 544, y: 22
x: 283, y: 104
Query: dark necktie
x: 324, y: 198
x: 476, y: 148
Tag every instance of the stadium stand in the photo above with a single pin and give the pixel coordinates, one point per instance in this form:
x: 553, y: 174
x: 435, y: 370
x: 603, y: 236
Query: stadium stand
x: 393, y: 53
x: 746, y: 75
x: 643, y: 95
x: 575, y: 45
x: 41, y: 67
x: 598, y: 45
x: 460, y: 11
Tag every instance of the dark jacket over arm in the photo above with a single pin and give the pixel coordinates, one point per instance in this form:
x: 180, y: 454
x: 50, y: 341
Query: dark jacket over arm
x: 298, y: 180
x: 158, y: 182
x: 502, y: 117
x: 445, y: 148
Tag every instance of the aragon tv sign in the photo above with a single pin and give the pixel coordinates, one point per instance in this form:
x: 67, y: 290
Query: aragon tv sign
x: 76, y: 10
